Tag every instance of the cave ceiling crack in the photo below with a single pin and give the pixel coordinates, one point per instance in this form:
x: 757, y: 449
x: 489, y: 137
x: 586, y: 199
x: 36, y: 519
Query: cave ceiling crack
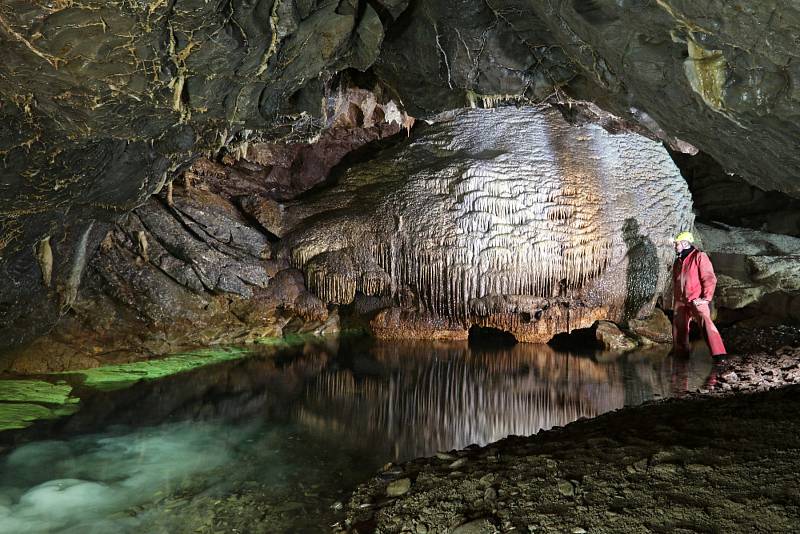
x: 538, y: 50
x: 230, y: 18
x: 585, y: 48
x: 275, y: 37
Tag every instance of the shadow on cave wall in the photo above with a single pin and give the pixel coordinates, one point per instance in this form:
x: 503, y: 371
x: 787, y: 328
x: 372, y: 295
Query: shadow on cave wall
x: 641, y: 278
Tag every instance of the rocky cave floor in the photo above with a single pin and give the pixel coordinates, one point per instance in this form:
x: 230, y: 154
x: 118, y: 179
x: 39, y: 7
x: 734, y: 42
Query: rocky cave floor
x: 721, y: 459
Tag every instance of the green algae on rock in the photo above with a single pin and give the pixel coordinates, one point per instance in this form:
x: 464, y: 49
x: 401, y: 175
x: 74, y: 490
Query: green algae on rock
x: 22, y: 415
x: 35, y: 391
x: 111, y: 377
x: 22, y: 402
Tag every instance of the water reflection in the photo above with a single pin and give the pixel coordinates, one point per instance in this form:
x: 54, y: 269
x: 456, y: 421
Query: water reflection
x: 301, y: 426
x: 418, y: 397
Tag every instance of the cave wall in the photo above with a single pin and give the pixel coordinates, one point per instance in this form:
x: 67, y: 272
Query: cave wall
x: 701, y: 72
x: 758, y: 275
x: 725, y: 197
x: 196, y: 263
x: 104, y: 103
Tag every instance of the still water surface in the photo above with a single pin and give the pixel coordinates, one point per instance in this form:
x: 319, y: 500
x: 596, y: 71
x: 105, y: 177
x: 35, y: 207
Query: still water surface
x: 268, y: 443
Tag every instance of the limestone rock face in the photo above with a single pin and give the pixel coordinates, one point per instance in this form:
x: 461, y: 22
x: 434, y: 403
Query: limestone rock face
x: 758, y: 274
x: 690, y: 66
x: 510, y: 218
x: 656, y: 328
x: 188, y: 233
x: 169, y: 277
x: 610, y: 337
x: 101, y: 102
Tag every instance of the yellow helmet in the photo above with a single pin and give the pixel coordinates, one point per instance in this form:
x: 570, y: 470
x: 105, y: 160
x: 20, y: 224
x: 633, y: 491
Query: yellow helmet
x: 684, y: 236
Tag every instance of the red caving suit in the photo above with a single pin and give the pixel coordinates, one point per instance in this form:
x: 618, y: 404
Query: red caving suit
x: 693, y: 278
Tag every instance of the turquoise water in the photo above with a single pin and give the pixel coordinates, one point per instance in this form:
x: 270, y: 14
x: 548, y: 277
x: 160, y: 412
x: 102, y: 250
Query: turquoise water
x: 272, y: 442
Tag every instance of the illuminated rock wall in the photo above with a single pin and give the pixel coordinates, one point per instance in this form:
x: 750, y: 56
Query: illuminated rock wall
x: 508, y: 218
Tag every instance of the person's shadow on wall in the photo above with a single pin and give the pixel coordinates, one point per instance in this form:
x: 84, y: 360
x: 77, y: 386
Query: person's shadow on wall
x: 643, y: 265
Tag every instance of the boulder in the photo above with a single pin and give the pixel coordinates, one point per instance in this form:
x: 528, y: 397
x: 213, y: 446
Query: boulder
x: 398, y: 487
x: 758, y: 274
x: 512, y: 219
x: 610, y: 337
x: 656, y: 328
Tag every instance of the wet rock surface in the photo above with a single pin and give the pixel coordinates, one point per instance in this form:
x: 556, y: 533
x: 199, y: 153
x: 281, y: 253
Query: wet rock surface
x: 194, y: 264
x: 758, y: 275
x: 195, y: 272
x: 102, y: 103
x: 657, y: 328
x: 741, y: 340
x: 723, y: 462
x: 759, y: 371
x: 610, y: 337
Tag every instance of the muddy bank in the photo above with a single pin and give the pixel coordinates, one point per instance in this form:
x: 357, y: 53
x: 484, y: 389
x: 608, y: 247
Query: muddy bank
x: 723, y: 459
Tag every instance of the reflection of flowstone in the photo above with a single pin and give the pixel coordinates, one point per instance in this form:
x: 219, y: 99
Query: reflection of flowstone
x: 508, y: 218
x: 437, y: 397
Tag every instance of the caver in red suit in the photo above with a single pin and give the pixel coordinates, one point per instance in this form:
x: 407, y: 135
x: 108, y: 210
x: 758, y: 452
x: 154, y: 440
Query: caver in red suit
x: 693, y: 282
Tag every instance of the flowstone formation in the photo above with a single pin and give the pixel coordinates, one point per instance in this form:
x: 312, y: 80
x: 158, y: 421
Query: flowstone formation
x: 507, y: 218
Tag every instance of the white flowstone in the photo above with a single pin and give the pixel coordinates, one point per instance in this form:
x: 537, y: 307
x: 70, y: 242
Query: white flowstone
x: 496, y: 202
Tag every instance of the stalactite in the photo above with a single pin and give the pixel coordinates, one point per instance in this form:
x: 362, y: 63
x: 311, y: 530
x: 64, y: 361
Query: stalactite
x: 44, y: 255
x: 141, y: 237
x: 69, y: 291
x: 493, y: 203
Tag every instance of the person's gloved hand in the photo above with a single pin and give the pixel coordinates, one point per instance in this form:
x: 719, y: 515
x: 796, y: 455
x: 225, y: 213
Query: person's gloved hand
x: 698, y: 302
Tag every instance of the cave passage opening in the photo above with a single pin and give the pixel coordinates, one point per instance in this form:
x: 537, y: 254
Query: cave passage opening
x: 578, y: 340
x: 483, y: 336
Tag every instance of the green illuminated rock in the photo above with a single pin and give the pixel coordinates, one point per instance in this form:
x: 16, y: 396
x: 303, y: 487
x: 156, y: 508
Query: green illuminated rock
x: 21, y: 415
x: 113, y: 377
x: 35, y: 391
x: 22, y: 402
